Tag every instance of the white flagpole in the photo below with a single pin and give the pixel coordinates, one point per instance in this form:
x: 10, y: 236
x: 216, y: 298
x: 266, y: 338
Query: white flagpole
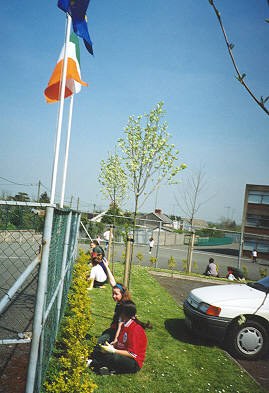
x: 60, y: 116
x: 67, y: 149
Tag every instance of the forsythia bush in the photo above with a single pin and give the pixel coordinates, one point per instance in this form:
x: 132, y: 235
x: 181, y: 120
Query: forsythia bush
x: 67, y: 371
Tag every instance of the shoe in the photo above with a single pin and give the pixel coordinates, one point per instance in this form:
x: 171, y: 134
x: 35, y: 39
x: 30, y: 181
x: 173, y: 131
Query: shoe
x: 104, y: 371
x: 89, y: 362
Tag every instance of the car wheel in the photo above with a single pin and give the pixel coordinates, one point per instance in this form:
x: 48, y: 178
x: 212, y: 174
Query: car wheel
x: 249, y: 340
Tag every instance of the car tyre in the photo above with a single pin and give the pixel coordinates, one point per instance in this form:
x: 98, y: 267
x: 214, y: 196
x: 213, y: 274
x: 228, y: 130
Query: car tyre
x: 249, y: 340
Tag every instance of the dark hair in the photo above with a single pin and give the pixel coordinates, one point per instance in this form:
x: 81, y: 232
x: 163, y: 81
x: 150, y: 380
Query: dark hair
x: 211, y: 260
x: 128, y: 309
x: 94, y: 261
x: 95, y: 242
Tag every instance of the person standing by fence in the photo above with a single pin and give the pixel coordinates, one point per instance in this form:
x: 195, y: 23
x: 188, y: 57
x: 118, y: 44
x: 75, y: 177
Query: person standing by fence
x: 151, y: 244
x: 106, y: 237
x: 254, y: 255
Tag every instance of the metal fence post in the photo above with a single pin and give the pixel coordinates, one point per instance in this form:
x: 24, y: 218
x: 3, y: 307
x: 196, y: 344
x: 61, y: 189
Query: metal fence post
x: 127, y: 261
x: 40, y: 302
x: 240, y: 250
x: 64, y: 260
x: 7, y: 298
x: 158, y: 243
x: 190, y: 250
x: 75, y: 252
x: 110, y: 243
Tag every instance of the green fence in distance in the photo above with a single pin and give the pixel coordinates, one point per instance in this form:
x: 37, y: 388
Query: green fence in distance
x: 212, y: 241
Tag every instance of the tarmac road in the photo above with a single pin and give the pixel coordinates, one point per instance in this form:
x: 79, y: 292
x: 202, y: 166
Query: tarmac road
x: 223, y: 258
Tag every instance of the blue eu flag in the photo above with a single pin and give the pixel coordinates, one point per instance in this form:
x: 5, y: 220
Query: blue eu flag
x: 77, y: 10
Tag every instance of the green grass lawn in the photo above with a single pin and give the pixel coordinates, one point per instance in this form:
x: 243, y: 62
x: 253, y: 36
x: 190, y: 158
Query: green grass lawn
x: 173, y: 362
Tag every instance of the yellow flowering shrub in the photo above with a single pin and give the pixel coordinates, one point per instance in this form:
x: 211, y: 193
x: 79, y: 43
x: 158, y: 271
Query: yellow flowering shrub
x: 67, y: 371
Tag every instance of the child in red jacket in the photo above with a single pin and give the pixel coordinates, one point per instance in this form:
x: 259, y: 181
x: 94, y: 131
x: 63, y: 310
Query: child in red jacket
x: 127, y: 354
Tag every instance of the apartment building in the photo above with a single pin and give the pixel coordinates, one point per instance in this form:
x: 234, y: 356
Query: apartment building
x: 255, y: 223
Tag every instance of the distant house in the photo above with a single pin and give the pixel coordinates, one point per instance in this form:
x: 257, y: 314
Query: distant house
x: 160, y: 226
x: 154, y: 219
x: 196, y: 224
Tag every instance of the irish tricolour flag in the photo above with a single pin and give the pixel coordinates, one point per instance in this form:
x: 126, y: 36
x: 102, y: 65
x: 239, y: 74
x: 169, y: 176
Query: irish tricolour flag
x: 73, y: 76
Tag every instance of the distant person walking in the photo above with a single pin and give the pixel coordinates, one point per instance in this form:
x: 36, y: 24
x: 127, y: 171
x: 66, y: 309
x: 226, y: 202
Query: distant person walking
x: 151, y: 244
x: 106, y: 237
x: 254, y: 255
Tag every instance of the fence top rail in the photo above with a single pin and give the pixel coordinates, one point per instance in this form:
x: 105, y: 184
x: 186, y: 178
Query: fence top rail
x: 30, y: 204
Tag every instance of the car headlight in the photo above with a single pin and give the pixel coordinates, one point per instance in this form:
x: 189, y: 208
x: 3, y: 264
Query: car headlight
x: 208, y: 309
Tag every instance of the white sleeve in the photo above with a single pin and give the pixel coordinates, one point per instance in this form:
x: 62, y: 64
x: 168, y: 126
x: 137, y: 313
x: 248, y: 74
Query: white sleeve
x: 92, y: 274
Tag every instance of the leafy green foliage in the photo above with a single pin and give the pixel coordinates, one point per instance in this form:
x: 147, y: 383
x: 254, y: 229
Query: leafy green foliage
x: 67, y: 372
x: 245, y: 271
x: 184, y: 265
x: 22, y: 197
x: 140, y: 257
x: 153, y: 261
x: 148, y: 156
x: 94, y: 228
x: 20, y: 217
x: 263, y: 272
x: 113, y: 179
x: 209, y: 232
x: 44, y: 198
x: 172, y: 263
x: 114, y: 216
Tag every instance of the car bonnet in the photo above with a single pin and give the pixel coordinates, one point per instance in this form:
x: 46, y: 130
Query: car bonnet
x: 223, y: 294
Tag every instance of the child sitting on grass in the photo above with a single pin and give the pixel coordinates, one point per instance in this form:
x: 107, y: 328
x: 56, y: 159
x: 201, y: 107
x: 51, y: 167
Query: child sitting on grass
x: 127, y: 354
x: 97, y: 275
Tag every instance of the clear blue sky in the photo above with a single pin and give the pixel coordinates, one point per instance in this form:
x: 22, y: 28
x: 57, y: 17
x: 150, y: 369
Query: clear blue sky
x: 145, y: 52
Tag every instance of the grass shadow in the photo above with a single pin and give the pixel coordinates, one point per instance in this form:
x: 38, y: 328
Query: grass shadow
x: 225, y: 251
x: 178, y: 330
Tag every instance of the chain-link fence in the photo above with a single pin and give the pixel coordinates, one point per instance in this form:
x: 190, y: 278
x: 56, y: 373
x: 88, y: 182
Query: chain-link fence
x: 21, y: 227
x: 172, y: 247
x: 38, y: 245
x: 20, y: 242
x: 58, y: 255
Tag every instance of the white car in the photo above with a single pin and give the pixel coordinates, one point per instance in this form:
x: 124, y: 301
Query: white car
x: 235, y: 314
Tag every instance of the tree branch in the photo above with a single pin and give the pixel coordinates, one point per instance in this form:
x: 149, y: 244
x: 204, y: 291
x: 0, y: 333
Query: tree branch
x: 240, y: 76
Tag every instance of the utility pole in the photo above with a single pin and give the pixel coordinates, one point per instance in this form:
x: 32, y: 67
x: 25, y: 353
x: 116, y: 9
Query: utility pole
x: 38, y: 190
x: 228, y: 212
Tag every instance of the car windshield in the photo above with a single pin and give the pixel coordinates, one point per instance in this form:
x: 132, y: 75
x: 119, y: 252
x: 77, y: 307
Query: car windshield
x: 261, y: 285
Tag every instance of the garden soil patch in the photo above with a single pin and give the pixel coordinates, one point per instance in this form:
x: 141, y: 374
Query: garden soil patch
x: 13, y: 368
